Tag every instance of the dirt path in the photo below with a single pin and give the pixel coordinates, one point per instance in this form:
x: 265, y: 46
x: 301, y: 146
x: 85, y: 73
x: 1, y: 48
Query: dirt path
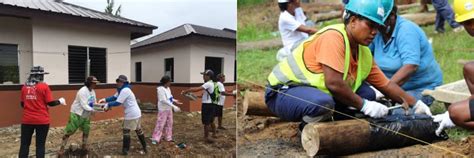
x: 106, y: 138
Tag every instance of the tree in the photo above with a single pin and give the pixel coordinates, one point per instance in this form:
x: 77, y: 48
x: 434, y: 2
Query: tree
x: 109, y: 9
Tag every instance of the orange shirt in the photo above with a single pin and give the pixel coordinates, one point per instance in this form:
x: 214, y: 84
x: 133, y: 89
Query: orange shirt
x: 328, y: 49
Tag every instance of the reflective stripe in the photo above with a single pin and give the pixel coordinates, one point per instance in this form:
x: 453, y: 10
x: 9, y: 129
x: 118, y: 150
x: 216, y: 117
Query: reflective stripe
x: 293, y: 70
x: 296, y: 70
x: 279, y: 74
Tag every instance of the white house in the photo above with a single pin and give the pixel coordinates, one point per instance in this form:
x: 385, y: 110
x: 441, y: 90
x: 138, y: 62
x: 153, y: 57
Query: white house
x: 183, y: 52
x: 61, y: 37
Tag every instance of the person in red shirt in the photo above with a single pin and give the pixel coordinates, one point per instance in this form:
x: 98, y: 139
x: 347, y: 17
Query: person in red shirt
x: 35, y: 100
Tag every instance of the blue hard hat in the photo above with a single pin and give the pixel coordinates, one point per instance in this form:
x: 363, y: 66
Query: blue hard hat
x: 370, y: 9
x: 388, y: 6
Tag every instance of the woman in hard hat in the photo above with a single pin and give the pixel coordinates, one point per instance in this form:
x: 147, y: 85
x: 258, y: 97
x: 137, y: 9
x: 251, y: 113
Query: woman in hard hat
x: 331, y: 69
x: 291, y: 25
x: 461, y: 113
x: 404, y: 54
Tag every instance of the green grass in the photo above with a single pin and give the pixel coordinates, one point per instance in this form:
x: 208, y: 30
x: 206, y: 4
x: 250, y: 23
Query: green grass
x: 254, y: 33
x: 448, y: 48
x: 244, y: 3
x: 255, y: 65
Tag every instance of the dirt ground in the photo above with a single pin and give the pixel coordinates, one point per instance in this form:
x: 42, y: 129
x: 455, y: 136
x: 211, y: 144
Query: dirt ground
x: 269, y: 137
x: 105, y: 138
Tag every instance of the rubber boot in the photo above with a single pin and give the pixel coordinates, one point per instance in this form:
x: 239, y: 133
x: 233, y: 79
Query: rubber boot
x: 142, y: 141
x: 126, y: 144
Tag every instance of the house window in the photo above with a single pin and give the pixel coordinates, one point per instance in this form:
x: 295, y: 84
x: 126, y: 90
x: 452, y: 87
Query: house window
x: 214, y: 63
x: 169, y: 65
x: 83, y: 60
x: 9, y: 71
x: 138, y: 71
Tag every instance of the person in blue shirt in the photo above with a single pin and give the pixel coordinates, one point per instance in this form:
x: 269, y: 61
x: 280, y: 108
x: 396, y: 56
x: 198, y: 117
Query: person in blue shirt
x: 401, y: 49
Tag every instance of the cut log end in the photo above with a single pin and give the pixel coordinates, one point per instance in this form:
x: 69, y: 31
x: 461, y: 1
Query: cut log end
x: 310, y: 140
x: 254, y: 104
x: 245, y: 103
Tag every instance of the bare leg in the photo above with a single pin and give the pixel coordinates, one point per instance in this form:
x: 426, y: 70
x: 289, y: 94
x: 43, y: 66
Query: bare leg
x: 207, y: 129
x: 63, y: 145
x: 460, y: 114
x: 469, y: 76
x: 84, y: 141
x: 214, y: 131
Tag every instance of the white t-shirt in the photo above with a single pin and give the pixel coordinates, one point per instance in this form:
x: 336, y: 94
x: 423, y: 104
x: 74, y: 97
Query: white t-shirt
x: 165, y: 98
x: 287, y: 25
x: 222, y: 96
x: 84, y: 97
x: 129, y: 102
x: 208, y: 88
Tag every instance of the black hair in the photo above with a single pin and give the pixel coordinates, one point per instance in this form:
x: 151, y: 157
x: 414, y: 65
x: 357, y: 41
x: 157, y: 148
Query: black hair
x: 88, y: 81
x: 283, y: 6
x: 394, y: 9
x: 220, y: 75
x: 165, y: 79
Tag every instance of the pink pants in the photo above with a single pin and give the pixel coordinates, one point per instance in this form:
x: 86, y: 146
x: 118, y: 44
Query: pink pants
x: 164, y: 124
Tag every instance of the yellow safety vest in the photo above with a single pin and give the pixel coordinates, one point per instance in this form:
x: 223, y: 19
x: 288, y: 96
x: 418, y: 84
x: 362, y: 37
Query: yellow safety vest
x: 293, y: 71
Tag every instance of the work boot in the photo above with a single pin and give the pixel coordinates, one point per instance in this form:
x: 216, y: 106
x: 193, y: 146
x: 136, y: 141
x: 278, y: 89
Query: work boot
x: 141, y: 137
x: 126, y: 144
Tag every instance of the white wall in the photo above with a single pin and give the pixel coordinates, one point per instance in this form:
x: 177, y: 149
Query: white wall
x: 51, y: 40
x: 153, y: 61
x: 18, y: 31
x: 212, y: 48
x: 189, y: 57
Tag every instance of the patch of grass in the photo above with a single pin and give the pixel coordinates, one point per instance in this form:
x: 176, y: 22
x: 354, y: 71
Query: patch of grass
x: 448, y: 49
x: 255, y: 65
x: 458, y: 133
x: 329, y: 22
x: 244, y: 3
x: 254, y: 33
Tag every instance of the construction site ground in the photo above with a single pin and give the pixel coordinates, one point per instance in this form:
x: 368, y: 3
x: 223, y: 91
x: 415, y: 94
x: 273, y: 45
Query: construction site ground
x: 106, y: 138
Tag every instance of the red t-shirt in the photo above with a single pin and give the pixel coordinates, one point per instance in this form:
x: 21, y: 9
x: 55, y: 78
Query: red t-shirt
x: 35, y: 99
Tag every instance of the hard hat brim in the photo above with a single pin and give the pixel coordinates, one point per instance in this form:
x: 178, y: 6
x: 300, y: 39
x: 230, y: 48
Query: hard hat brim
x: 465, y: 17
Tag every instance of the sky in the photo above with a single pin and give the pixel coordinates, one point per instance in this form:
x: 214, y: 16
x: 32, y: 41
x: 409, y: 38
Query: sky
x: 167, y: 14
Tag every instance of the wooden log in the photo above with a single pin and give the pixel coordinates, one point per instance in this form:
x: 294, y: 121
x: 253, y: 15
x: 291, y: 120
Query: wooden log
x: 421, y: 19
x: 260, y: 45
x: 342, y: 137
x: 450, y: 92
x: 254, y: 104
x: 327, y: 16
x: 353, y: 136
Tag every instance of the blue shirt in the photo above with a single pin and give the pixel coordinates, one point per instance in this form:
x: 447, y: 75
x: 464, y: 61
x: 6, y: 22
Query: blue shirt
x: 408, y: 45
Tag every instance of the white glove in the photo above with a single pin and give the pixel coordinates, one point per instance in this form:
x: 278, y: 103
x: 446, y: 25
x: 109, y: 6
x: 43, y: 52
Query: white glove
x: 374, y: 109
x: 444, y: 122
x: 378, y: 94
x: 105, y: 107
x: 62, y: 101
x: 175, y: 108
x: 421, y: 108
